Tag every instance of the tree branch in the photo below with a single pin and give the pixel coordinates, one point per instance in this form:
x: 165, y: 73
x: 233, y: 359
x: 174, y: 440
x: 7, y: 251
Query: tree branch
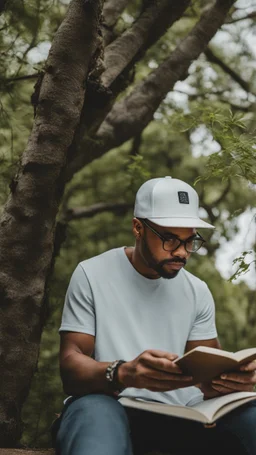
x: 146, y: 30
x: 126, y: 49
x: 248, y: 16
x: 69, y: 192
x: 119, y: 208
x: 111, y: 12
x: 209, y: 207
x: 136, y: 143
x: 205, y: 95
x: 235, y: 76
x: 132, y: 114
x: 22, y: 78
x: 223, y: 194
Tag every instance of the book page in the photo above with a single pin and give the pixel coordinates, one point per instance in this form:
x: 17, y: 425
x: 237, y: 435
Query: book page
x: 205, y: 412
x: 233, y: 405
x: 184, y: 412
x: 245, y: 353
x: 212, y: 408
x: 208, y: 350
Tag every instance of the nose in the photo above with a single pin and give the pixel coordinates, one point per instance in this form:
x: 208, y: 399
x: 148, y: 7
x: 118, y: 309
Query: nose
x: 180, y: 251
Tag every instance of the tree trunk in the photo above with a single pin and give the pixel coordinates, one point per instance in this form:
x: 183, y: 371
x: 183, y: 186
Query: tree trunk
x: 3, y: 4
x: 27, y: 225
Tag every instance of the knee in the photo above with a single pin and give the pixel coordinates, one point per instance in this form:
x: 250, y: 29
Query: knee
x: 94, y: 424
x: 96, y: 408
x: 243, y: 417
x: 241, y: 425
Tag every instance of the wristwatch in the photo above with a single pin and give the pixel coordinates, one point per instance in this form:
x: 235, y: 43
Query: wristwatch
x: 111, y: 375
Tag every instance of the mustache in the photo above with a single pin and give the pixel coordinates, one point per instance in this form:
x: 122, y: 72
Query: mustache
x: 175, y: 260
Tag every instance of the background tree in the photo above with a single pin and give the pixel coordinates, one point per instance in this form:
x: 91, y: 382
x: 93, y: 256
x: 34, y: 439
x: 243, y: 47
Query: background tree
x: 150, y: 62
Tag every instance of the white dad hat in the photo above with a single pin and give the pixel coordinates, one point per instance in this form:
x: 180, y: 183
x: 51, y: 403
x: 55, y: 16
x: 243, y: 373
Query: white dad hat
x: 169, y: 202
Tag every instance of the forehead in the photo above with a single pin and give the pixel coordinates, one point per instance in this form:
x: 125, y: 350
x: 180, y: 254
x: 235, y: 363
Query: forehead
x: 183, y: 233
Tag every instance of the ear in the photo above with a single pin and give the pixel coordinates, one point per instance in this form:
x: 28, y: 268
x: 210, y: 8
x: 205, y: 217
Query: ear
x: 137, y: 228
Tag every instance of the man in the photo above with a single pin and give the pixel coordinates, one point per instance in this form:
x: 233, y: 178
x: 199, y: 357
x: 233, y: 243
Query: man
x: 129, y: 313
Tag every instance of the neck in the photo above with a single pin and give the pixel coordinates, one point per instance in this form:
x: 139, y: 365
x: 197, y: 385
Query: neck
x: 139, y: 265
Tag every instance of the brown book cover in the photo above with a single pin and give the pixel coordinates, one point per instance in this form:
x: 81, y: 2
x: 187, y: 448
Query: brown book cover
x: 204, y: 363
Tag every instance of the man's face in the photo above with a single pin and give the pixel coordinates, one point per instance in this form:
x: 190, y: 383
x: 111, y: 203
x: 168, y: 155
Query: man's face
x: 167, y: 264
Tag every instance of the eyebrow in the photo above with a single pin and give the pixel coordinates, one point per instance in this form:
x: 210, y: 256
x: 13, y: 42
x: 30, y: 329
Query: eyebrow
x: 171, y: 234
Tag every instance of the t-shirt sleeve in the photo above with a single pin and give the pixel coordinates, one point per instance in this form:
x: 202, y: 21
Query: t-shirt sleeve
x: 204, y: 327
x: 78, y: 312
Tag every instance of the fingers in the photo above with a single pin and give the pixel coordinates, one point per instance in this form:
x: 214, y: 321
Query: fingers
x: 236, y: 381
x: 162, y: 354
x: 160, y: 360
x: 164, y: 376
x: 232, y: 387
x: 222, y: 389
x: 243, y: 378
x: 155, y: 370
x: 249, y: 366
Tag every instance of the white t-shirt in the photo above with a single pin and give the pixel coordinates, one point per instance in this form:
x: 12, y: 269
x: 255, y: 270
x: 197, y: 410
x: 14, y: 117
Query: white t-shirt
x: 128, y: 314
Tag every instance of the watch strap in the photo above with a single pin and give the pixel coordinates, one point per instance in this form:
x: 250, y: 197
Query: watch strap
x: 111, y: 374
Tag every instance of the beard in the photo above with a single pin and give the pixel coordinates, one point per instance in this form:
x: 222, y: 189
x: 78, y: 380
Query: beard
x: 158, y: 266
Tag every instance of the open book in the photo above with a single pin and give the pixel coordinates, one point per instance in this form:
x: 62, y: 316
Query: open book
x: 206, y: 412
x: 204, y: 363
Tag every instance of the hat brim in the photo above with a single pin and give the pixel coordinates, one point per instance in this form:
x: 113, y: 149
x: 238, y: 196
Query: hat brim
x: 181, y: 222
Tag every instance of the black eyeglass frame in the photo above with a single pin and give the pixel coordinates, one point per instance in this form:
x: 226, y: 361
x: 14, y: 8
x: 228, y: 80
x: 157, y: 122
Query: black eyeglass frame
x: 181, y: 242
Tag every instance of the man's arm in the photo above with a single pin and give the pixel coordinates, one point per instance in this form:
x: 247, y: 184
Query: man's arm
x: 213, y: 343
x: 152, y: 369
x: 80, y: 373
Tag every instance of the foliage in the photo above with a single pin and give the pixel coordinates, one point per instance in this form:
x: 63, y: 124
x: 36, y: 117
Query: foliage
x: 237, y: 148
x: 243, y: 267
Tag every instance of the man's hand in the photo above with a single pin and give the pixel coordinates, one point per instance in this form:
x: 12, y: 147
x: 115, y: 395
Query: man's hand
x: 153, y: 370
x: 240, y: 381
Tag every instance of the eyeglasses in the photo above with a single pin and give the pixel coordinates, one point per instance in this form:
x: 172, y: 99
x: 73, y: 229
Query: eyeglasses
x: 172, y: 243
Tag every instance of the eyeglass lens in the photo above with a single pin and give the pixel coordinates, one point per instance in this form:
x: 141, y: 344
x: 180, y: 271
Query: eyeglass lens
x: 191, y: 245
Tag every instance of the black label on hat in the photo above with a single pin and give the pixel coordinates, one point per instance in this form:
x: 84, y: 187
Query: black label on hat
x: 183, y: 197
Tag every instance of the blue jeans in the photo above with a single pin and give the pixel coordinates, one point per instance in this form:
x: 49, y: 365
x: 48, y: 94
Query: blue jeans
x: 98, y: 424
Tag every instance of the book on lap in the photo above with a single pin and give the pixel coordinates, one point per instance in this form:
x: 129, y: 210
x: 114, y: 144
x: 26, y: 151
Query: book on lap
x: 206, y: 412
x: 205, y: 363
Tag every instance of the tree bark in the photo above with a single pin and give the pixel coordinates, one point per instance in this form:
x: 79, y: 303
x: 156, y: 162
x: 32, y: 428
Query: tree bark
x: 111, y: 12
x: 133, y: 113
x: 121, y: 57
x: 27, y: 225
x: 3, y: 4
x: 151, y: 24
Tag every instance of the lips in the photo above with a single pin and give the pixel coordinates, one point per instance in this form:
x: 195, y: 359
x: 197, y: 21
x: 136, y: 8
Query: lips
x: 175, y: 265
